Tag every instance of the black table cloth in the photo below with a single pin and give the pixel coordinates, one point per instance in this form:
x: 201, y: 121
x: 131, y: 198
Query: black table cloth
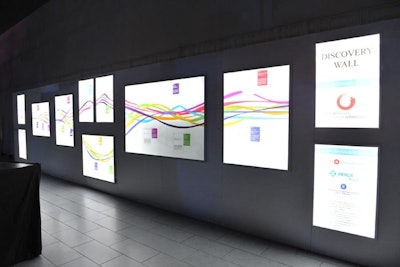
x: 20, y: 224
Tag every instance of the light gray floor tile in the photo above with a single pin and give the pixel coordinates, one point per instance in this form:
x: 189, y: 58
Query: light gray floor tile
x: 122, y: 261
x: 205, y: 230
x: 82, y: 225
x: 171, y: 233
x: 244, y: 242
x: 72, y: 237
x: 81, y: 262
x: 290, y: 257
x: 54, y: 226
x: 135, y: 250
x: 144, y: 223
x: 158, y: 242
x: 39, y: 261
x: 117, y: 213
x: 162, y: 260
x: 105, y: 236
x: 58, y: 253
x: 208, y: 246
x: 246, y: 259
x: 47, y: 239
x: 201, y: 259
x: 97, y: 252
x: 112, y: 224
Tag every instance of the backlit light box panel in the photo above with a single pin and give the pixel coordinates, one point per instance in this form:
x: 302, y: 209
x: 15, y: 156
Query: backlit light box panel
x: 166, y: 118
x: 345, y: 188
x: 256, y: 117
x: 41, y: 119
x: 105, y: 99
x: 22, y: 144
x: 98, y: 157
x: 64, y: 120
x: 21, y: 109
x: 86, y: 100
x: 347, y: 83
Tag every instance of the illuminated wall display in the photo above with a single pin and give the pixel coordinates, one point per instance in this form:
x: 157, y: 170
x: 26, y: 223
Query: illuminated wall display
x: 347, y: 83
x: 21, y: 109
x: 86, y: 99
x: 256, y: 117
x: 41, y: 119
x: 104, y: 99
x: 22, y: 144
x: 64, y: 120
x: 166, y: 118
x: 98, y: 157
x: 345, y: 188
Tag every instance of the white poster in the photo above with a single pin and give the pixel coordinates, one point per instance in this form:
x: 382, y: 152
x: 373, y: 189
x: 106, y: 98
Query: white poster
x: 347, y: 83
x: 345, y: 188
x: 256, y: 117
x: 22, y: 144
x: 64, y: 120
x: 21, y: 109
x: 105, y: 99
x: 98, y: 157
x: 166, y: 118
x: 41, y: 119
x: 86, y: 100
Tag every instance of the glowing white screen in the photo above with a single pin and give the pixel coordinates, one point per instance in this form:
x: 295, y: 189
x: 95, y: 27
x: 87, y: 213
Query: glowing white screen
x: 22, y: 144
x: 64, y: 120
x: 345, y: 188
x: 256, y: 117
x: 21, y: 109
x: 41, y: 119
x: 166, y: 118
x: 347, y: 83
x: 86, y: 99
x: 98, y: 157
x: 105, y: 99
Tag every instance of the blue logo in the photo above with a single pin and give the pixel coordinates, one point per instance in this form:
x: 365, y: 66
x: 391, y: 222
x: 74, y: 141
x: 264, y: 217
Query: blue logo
x: 343, y: 186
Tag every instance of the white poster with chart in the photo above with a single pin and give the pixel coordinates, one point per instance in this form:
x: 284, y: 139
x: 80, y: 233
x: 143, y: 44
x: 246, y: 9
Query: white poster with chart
x: 98, y: 157
x: 166, y: 118
x: 256, y: 117
x: 41, y: 119
x: 64, y: 120
x: 21, y: 108
x: 105, y: 99
x: 345, y: 188
x: 86, y: 100
x: 347, y: 83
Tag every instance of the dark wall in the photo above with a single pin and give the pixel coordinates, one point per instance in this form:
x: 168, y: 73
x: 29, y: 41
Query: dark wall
x: 273, y: 204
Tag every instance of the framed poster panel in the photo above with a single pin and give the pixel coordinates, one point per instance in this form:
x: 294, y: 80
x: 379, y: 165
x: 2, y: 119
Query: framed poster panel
x: 21, y: 109
x: 22, y: 151
x: 64, y: 120
x: 86, y: 100
x: 105, y: 99
x: 41, y: 119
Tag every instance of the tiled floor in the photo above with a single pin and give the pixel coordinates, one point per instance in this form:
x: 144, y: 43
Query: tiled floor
x: 84, y: 228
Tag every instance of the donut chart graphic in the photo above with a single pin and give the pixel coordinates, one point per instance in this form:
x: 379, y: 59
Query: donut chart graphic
x: 343, y: 104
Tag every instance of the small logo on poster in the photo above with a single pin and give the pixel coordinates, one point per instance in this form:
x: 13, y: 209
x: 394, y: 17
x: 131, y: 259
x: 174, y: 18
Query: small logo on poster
x: 175, y: 88
x: 343, y: 186
x: 336, y: 161
x: 154, y: 133
x: 255, y: 134
x: 262, y: 77
x: 345, y: 102
x: 186, y: 139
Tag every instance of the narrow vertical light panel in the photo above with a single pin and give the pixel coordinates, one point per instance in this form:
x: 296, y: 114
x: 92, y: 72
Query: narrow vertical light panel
x: 22, y: 144
x: 64, y: 120
x: 86, y: 100
x: 21, y: 109
x: 105, y: 99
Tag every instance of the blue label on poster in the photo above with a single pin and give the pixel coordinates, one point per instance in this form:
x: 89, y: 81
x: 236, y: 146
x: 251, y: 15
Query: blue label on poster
x: 255, y: 134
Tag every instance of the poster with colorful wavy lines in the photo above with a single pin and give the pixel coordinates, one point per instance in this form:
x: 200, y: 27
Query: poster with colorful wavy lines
x: 98, y: 157
x: 64, y: 120
x: 86, y: 99
x: 256, y: 117
x: 105, y: 99
x: 41, y: 119
x: 166, y: 118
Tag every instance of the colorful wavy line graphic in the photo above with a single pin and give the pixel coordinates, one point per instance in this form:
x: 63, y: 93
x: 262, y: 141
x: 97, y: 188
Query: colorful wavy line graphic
x: 260, y: 108
x: 177, y: 117
x: 65, y: 117
x: 100, y: 157
x: 42, y: 119
x: 88, y: 105
x: 104, y: 99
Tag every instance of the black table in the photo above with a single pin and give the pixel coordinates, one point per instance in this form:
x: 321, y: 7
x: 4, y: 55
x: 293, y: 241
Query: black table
x: 20, y: 225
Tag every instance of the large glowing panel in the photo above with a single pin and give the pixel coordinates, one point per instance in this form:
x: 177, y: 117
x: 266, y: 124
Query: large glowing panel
x: 21, y: 109
x: 86, y: 99
x: 166, y: 118
x: 347, y: 83
x: 104, y: 99
x: 256, y: 117
x: 345, y: 188
x: 64, y: 120
x: 41, y: 119
x: 98, y: 157
x: 22, y: 144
